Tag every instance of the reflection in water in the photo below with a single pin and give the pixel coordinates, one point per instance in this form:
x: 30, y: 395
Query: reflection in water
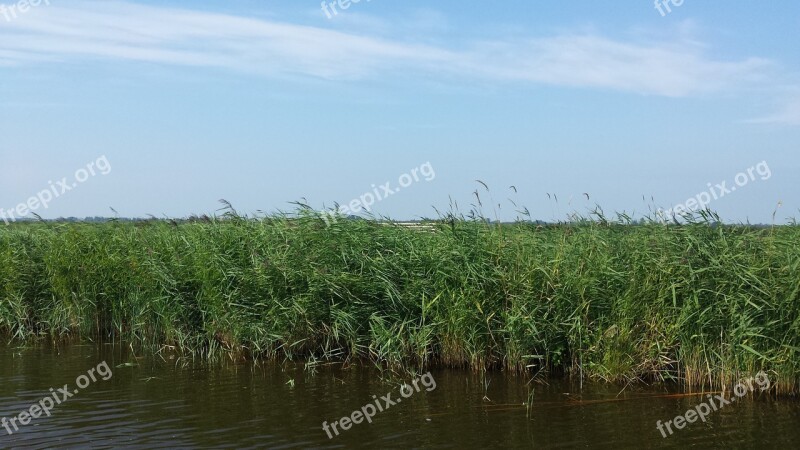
x: 163, y: 403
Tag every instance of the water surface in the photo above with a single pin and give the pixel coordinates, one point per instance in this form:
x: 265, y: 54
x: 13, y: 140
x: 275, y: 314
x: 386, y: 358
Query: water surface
x: 169, y: 402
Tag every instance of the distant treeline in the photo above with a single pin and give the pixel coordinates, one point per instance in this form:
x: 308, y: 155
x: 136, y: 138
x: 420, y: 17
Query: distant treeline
x: 207, y: 218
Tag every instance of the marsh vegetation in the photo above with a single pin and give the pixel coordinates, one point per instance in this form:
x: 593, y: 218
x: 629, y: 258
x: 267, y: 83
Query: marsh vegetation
x: 697, y: 303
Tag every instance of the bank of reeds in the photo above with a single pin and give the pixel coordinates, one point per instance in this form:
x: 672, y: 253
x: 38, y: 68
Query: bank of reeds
x: 699, y: 303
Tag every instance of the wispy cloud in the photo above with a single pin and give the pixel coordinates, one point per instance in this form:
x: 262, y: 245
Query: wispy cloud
x: 787, y: 114
x: 119, y: 31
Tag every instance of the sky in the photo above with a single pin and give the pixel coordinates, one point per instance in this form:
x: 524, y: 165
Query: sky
x: 164, y: 108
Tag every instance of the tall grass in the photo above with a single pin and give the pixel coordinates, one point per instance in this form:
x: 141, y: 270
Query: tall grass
x: 700, y: 303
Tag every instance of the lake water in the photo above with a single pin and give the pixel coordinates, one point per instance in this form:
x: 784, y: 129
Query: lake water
x: 169, y: 402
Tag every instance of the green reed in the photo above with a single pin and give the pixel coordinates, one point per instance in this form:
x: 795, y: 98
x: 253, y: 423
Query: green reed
x: 700, y: 303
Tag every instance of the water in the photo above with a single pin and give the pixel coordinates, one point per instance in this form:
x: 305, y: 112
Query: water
x: 167, y: 402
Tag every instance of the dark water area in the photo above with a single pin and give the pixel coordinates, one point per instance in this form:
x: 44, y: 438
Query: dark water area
x: 169, y: 402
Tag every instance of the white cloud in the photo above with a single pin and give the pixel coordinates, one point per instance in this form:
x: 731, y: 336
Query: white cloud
x: 119, y: 31
x: 788, y: 114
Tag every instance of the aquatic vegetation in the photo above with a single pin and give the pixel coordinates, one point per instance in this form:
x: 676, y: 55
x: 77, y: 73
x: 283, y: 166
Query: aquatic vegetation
x: 700, y: 303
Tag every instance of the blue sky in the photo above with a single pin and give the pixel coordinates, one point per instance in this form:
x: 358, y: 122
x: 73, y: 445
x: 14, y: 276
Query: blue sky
x: 267, y: 102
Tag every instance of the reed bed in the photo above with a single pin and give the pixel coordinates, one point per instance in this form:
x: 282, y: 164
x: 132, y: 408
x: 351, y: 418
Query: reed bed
x: 698, y: 303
